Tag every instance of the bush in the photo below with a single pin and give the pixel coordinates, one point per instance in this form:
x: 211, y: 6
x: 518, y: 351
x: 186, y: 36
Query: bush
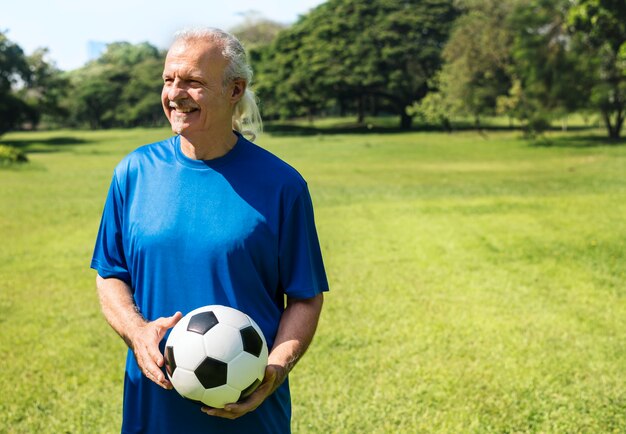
x: 11, y: 155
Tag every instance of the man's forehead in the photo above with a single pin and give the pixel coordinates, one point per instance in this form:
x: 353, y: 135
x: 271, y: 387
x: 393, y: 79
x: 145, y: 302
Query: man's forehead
x: 195, y: 58
x: 198, y: 49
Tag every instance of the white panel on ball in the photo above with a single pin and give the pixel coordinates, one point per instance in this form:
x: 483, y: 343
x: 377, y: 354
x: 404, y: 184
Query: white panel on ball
x: 244, y: 363
x: 186, y: 351
x: 179, y: 330
x: 222, y: 342
x: 218, y: 397
x: 187, y: 384
x: 232, y: 317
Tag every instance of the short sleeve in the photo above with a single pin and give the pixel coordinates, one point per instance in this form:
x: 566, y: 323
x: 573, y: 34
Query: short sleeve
x: 108, y: 256
x: 302, y: 273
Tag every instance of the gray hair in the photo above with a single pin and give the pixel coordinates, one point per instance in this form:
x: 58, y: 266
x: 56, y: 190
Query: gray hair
x: 246, y: 116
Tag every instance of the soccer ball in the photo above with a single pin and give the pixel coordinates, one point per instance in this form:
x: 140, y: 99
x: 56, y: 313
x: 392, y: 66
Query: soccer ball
x: 215, y: 355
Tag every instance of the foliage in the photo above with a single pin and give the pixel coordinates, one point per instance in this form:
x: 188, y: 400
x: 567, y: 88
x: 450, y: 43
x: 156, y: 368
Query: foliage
x: 533, y: 60
x: 13, y: 70
x: 478, y: 59
x: 47, y: 88
x: 256, y: 31
x: 31, y: 87
x: 553, y: 75
x: 11, y: 155
x: 121, y: 88
x: 434, y: 109
x: 348, y: 50
x: 600, y: 27
x: 514, y: 57
x: 538, y: 60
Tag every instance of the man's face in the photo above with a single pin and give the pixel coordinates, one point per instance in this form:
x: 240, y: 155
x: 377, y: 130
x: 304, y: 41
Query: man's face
x: 193, y: 97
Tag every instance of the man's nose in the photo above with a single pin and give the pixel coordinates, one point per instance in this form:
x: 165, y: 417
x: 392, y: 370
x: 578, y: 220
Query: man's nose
x: 176, y: 90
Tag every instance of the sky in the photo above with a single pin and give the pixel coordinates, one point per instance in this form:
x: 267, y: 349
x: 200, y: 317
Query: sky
x: 71, y: 28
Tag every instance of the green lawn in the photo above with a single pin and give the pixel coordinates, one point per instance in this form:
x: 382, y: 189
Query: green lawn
x: 478, y: 284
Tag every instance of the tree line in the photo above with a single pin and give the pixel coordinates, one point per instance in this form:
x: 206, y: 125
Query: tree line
x: 531, y: 60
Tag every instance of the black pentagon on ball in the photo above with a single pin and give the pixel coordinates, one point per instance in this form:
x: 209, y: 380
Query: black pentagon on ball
x: 202, y: 322
x: 252, y: 342
x: 212, y: 373
x: 170, y: 362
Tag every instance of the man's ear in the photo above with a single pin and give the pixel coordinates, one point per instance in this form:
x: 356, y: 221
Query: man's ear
x: 239, y: 88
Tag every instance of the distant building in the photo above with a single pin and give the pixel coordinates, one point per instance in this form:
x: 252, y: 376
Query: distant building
x: 95, y: 49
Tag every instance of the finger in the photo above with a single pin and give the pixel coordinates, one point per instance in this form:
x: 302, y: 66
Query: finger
x: 219, y: 412
x: 164, y: 383
x: 159, y: 378
x: 255, y: 399
x: 152, y: 349
x: 149, y: 362
x: 270, y: 376
x: 268, y: 379
x: 170, y: 321
x: 165, y: 323
x: 249, y: 403
x: 176, y: 317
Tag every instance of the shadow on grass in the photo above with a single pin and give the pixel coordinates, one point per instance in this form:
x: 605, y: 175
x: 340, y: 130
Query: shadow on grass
x: 306, y: 130
x: 583, y: 141
x: 310, y: 130
x: 35, y: 146
x: 288, y: 129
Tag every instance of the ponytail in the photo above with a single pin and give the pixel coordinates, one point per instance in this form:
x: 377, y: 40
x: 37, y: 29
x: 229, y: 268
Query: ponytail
x: 246, y: 117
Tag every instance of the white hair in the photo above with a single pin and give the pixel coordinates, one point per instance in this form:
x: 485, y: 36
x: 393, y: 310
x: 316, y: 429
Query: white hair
x: 246, y: 116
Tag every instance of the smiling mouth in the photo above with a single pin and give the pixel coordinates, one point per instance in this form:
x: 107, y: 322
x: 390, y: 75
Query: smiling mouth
x: 183, y: 109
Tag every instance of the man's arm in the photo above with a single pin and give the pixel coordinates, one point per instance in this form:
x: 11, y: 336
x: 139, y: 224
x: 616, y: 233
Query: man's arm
x: 295, y: 333
x: 141, y: 336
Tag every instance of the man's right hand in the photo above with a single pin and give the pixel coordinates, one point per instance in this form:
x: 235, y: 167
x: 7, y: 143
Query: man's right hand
x: 144, y: 341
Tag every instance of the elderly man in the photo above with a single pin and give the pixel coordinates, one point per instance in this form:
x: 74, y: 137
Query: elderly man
x: 207, y: 217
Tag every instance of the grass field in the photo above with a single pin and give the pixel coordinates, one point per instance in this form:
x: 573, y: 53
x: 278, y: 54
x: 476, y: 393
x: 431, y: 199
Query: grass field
x: 478, y: 284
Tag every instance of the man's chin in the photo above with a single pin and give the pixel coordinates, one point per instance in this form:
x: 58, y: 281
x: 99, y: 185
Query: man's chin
x: 179, y: 127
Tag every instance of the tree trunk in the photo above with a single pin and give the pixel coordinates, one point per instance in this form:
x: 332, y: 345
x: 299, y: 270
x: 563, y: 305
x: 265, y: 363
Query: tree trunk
x: 310, y: 115
x: 405, y: 120
x: 342, y: 108
x: 477, y: 125
x: 361, y: 110
x: 614, y: 128
x: 619, y: 123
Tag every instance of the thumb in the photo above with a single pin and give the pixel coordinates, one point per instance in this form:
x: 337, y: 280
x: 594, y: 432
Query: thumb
x: 174, y: 319
x: 166, y: 323
x: 270, y: 377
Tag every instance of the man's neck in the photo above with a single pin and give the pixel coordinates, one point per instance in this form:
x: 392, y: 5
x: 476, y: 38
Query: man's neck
x: 207, y: 146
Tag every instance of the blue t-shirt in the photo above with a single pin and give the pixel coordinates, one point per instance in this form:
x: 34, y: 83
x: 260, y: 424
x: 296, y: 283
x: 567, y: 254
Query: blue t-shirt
x: 237, y: 230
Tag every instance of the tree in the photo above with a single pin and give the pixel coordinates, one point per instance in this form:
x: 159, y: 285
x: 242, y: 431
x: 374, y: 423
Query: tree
x: 553, y: 77
x: 349, y: 50
x: 289, y: 77
x: 141, y: 96
x: 119, y: 89
x: 256, y: 31
x: 600, y: 28
x: 434, y: 108
x: 46, y: 88
x: 478, y: 60
x: 13, y: 71
x: 257, y: 34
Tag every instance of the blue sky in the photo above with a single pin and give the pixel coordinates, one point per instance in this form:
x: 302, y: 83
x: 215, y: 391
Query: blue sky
x: 67, y: 26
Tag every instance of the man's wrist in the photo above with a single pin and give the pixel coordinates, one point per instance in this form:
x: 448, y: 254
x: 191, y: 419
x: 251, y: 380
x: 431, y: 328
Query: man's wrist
x: 132, y: 329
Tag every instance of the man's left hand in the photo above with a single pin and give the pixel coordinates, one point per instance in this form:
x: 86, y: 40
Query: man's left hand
x: 274, y: 377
